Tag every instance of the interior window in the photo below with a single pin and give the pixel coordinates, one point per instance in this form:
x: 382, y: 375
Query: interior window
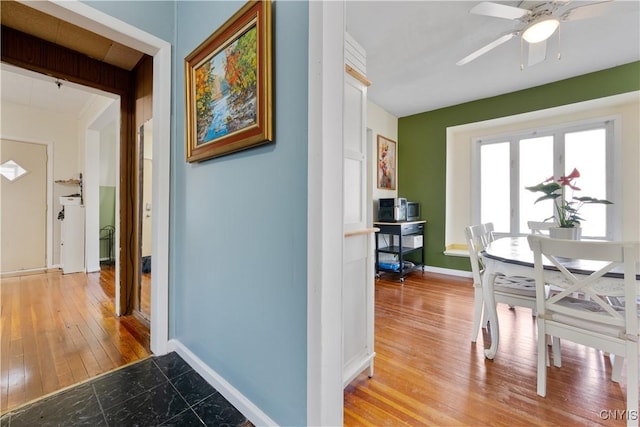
x: 509, y: 164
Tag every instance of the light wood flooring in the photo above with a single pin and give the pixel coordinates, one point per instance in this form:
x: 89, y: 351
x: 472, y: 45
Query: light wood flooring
x: 58, y: 330
x: 427, y: 371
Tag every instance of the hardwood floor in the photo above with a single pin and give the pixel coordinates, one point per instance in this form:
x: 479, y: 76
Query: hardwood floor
x: 145, y: 295
x: 58, y: 330
x: 427, y: 371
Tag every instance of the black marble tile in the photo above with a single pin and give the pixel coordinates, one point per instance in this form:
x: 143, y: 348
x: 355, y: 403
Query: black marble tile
x: 158, y: 405
x: 123, y: 384
x: 193, y: 387
x: 217, y: 411
x: 172, y: 365
x: 186, y: 418
x: 5, y: 420
x: 137, y: 395
x: 77, y: 406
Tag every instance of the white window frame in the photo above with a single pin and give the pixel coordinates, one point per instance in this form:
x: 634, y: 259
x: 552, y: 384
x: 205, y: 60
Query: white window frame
x: 612, y: 125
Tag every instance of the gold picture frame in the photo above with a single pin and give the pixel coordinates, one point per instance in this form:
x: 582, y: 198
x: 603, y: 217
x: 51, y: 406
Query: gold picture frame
x: 386, y: 163
x: 229, y: 87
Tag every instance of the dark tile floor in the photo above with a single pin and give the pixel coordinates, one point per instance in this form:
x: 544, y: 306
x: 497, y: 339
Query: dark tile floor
x: 159, y: 391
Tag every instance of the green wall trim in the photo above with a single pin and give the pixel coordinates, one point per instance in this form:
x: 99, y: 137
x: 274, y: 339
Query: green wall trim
x: 422, y: 141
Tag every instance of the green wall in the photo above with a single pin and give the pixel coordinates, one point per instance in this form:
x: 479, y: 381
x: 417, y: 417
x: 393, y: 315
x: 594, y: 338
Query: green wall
x: 422, y: 141
x: 107, y: 213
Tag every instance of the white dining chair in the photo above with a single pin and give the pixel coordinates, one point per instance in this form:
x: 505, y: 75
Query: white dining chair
x: 595, y: 322
x: 512, y: 290
x: 541, y: 227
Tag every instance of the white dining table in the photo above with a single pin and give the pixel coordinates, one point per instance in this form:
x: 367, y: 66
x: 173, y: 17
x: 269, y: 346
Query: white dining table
x: 512, y: 256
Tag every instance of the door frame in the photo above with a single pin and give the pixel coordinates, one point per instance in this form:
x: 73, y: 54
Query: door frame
x: 325, y: 213
x: 84, y: 16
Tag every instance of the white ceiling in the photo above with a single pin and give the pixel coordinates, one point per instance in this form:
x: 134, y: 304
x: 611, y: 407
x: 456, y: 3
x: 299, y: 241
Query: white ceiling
x: 35, y: 90
x: 413, y: 46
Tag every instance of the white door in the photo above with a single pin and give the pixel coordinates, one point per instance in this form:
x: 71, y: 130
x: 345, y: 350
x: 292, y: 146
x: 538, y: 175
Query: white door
x: 24, y: 206
x: 358, y: 275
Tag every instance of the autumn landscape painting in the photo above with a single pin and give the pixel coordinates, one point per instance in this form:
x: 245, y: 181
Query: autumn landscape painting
x: 228, y: 82
x: 226, y: 89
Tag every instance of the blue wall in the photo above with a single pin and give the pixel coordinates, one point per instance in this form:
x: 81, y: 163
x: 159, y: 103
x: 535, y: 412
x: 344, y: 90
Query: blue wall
x: 239, y: 231
x: 154, y: 17
x: 238, y: 255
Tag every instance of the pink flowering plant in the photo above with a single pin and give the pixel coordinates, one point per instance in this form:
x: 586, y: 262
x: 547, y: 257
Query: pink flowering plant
x: 568, y: 210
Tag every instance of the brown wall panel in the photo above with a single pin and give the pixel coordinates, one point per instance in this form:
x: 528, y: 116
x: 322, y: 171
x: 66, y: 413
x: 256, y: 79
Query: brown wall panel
x: 29, y: 52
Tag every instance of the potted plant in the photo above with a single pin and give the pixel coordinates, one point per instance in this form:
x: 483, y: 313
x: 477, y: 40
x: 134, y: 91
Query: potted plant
x: 567, y: 210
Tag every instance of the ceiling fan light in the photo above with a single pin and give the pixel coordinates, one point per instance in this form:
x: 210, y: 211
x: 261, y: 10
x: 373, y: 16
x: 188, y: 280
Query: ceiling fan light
x: 541, y: 30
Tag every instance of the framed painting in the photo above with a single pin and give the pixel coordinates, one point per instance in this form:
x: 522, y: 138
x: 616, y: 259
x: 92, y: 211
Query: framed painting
x: 386, y: 163
x: 228, y: 86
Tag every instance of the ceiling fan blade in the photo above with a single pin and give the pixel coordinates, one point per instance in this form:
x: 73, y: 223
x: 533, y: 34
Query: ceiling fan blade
x: 537, y: 53
x: 486, y: 48
x: 499, y: 10
x: 587, y: 11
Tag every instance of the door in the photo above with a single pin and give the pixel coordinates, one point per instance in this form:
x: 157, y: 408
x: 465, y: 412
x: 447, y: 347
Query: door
x: 24, y: 206
x: 357, y: 279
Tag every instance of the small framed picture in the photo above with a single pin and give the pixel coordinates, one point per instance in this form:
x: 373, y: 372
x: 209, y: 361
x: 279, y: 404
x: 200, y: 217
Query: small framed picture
x: 386, y: 163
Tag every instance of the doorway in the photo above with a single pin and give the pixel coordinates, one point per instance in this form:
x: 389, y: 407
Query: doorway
x: 84, y: 16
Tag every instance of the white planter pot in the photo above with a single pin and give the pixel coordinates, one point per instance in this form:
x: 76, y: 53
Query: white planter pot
x: 573, y: 233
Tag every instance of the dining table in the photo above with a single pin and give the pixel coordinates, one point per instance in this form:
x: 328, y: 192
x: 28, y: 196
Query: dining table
x: 511, y: 256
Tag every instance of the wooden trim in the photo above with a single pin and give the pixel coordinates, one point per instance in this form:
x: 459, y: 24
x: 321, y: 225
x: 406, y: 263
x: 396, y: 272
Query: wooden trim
x: 361, y: 232
x: 357, y: 75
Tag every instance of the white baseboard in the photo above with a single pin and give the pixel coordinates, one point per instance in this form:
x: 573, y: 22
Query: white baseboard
x: 449, y: 271
x: 18, y: 273
x: 237, y: 399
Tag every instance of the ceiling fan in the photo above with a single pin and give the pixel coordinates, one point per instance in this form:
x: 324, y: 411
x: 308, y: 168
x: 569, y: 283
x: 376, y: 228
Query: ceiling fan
x: 537, y: 23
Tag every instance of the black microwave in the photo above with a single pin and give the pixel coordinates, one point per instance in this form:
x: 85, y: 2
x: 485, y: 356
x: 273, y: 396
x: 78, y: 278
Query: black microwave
x: 413, y: 211
x: 392, y: 209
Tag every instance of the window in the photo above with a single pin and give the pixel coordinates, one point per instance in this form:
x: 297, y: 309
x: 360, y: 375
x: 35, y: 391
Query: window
x: 11, y: 170
x: 506, y: 165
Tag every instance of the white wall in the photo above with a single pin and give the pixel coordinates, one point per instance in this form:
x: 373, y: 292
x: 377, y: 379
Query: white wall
x: 379, y: 122
x: 108, y: 161
x: 459, y: 185
x: 30, y: 124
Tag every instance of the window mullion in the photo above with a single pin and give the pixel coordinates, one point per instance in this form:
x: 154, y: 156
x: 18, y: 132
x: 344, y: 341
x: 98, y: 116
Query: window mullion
x: 514, y: 196
x: 559, y: 163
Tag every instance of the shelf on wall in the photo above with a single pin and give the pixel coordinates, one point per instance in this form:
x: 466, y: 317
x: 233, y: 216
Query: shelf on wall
x: 73, y: 181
